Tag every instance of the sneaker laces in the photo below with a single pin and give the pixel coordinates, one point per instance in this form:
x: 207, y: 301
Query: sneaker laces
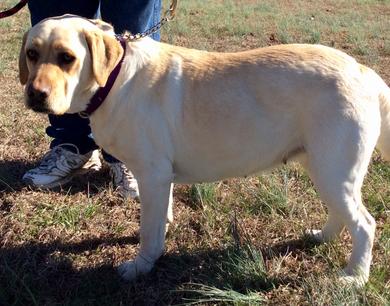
x: 123, y: 180
x: 120, y: 174
x: 59, y: 153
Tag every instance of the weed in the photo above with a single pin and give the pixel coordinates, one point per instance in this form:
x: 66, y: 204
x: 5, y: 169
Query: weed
x: 204, y: 294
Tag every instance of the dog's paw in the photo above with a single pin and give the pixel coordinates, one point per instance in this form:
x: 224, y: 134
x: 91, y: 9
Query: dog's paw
x: 357, y: 281
x: 353, y: 281
x: 315, y: 235
x: 130, y: 270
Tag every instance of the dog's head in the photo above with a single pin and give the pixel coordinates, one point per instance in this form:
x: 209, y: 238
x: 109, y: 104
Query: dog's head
x: 63, y: 60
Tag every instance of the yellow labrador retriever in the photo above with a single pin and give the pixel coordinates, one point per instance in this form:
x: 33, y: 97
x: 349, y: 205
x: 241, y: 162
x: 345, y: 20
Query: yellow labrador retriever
x: 176, y: 115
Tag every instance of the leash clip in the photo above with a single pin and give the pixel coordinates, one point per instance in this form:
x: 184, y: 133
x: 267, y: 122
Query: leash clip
x: 83, y: 115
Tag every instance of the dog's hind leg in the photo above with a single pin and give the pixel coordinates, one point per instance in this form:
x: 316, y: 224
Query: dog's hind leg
x: 331, y: 230
x: 333, y: 226
x: 338, y: 159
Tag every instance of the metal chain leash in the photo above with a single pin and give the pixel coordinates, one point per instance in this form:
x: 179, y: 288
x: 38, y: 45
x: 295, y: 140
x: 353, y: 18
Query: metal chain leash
x: 168, y: 16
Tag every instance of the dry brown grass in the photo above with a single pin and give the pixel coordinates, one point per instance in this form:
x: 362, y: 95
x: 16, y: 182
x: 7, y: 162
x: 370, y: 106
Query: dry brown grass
x: 240, y: 240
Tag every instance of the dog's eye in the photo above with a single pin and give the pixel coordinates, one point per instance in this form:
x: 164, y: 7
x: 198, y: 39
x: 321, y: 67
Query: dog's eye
x: 65, y: 58
x: 32, y: 55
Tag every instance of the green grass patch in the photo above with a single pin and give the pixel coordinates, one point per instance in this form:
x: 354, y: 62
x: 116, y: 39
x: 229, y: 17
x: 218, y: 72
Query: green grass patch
x: 69, y: 217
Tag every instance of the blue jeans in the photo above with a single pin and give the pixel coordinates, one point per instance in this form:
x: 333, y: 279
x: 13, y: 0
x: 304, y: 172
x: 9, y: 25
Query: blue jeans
x: 125, y: 15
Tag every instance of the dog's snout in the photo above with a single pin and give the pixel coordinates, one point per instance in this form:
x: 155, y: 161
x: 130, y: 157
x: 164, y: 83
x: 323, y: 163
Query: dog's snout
x: 38, y: 93
x: 37, y: 97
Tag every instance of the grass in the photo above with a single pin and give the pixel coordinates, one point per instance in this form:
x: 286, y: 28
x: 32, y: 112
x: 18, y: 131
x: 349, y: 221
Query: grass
x: 237, y: 277
x: 239, y: 241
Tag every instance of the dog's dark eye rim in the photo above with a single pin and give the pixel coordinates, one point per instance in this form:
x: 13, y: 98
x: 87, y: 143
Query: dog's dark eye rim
x: 66, y: 58
x: 32, y: 55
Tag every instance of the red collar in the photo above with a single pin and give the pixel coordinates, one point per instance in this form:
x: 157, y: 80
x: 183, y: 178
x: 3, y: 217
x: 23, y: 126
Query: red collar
x: 102, y: 92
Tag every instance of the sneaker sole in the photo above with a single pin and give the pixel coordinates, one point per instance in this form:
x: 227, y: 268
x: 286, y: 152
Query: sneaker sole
x: 64, y: 181
x: 60, y: 183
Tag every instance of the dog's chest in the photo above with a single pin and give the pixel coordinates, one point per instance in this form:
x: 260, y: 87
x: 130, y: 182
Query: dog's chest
x: 111, y: 137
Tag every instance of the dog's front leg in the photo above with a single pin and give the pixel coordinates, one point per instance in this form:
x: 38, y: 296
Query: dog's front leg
x: 155, y: 194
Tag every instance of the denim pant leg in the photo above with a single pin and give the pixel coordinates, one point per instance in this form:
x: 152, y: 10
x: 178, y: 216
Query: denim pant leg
x: 41, y: 9
x: 69, y: 128
x: 132, y: 15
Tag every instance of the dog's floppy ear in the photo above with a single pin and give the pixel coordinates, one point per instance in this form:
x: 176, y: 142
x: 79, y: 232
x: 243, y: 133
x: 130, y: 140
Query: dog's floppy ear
x: 105, y: 51
x: 23, y: 69
x: 102, y: 25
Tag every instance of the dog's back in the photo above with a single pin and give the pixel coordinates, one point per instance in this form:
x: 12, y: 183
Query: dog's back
x: 251, y: 110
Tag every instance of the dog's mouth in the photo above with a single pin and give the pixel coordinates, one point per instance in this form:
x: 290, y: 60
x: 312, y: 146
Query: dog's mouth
x: 39, y: 107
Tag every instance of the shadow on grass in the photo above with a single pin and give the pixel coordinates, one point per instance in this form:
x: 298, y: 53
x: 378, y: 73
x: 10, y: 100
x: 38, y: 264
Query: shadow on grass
x: 12, y: 171
x: 29, y: 277
x: 289, y: 247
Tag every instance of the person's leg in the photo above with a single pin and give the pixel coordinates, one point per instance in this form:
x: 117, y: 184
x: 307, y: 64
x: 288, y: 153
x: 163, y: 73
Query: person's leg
x: 71, y: 148
x: 132, y: 15
x: 71, y: 128
x: 41, y: 9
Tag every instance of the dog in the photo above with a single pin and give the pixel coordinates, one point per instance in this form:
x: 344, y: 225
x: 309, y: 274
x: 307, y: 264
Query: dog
x: 178, y: 115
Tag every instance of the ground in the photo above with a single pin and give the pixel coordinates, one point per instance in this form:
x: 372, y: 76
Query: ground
x: 239, y: 241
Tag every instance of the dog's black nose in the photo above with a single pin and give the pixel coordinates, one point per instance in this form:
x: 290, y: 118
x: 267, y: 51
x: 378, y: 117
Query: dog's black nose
x: 37, y: 98
x: 37, y: 95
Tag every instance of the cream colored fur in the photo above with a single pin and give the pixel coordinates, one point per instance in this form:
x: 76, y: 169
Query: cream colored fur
x: 178, y: 115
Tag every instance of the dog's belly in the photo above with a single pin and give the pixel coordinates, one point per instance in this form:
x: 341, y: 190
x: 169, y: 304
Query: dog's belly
x: 213, y: 171
x: 195, y: 170
x: 234, y: 150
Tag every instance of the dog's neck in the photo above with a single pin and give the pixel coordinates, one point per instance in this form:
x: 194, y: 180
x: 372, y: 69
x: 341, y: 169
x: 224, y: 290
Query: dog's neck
x: 140, y: 52
x: 102, y: 92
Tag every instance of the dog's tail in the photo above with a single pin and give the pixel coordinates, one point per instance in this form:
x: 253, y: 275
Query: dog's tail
x: 384, y: 102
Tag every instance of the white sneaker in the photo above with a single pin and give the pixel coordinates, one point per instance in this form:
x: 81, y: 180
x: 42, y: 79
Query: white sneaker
x: 59, y: 165
x: 124, y: 182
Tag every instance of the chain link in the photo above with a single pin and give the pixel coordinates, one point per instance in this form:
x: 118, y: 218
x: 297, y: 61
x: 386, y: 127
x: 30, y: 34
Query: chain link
x: 168, y: 16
